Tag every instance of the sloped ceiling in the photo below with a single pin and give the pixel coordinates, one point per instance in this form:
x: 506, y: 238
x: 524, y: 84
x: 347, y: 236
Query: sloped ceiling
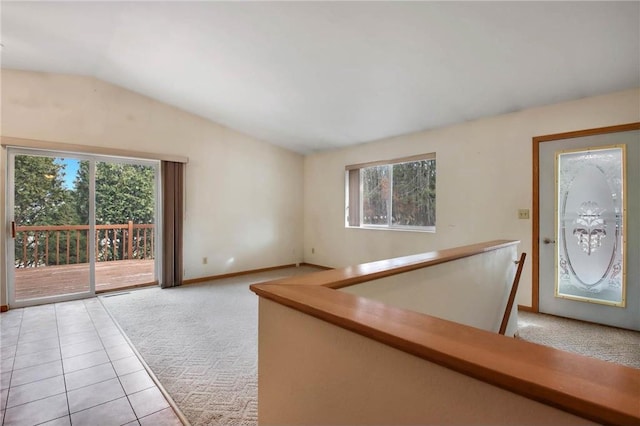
x: 311, y: 76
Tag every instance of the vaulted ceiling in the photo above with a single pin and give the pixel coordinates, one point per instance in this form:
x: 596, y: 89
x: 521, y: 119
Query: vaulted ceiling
x: 312, y: 76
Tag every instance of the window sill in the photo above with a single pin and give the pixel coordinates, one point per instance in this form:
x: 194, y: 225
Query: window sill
x: 426, y: 229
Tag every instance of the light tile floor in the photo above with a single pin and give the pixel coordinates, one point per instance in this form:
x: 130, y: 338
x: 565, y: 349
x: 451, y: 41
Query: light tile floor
x: 68, y: 364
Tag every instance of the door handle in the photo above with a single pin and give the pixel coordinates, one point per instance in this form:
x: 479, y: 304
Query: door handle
x: 548, y: 240
x: 13, y: 229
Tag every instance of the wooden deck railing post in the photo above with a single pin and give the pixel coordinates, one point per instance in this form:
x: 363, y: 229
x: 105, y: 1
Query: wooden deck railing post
x: 46, y: 249
x: 77, y: 246
x: 35, y: 255
x: 138, y: 243
x: 68, y: 245
x: 144, y: 250
x: 24, y: 250
x: 130, y: 240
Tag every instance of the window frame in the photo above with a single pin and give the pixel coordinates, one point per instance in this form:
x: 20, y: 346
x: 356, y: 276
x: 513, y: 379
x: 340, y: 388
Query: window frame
x: 353, y: 180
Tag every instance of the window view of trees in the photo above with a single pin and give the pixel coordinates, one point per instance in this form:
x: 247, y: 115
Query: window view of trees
x: 45, y: 195
x: 402, y: 194
x: 414, y: 193
x: 375, y: 195
x: 124, y: 192
x: 40, y: 195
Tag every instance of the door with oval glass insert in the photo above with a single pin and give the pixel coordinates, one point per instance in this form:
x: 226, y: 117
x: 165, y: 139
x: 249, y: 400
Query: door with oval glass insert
x: 589, y: 254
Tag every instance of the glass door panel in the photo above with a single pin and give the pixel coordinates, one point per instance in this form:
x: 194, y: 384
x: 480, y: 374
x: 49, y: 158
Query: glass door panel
x: 125, y: 224
x: 80, y: 224
x: 591, y: 225
x: 589, y: 234
x: 51, y: 244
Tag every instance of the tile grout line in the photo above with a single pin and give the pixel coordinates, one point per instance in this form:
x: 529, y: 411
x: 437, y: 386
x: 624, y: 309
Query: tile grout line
x: 64, y: 378
x: 40, y: 399
x: 111, y: 361
x: 93, y: 316
x: 66, y: 390
x: 161, y: 388
x: 141, y: 362
x: 35, y: 381
x: 4, y: 413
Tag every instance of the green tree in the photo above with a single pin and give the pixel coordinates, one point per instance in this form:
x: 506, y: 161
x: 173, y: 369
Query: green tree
x: 40, y: 199
x: 375, y: 188
x: 414, y: 193
x: 81, y: 192
x: 124, y: 192
x: 40, y: 195
x: 411, y: 187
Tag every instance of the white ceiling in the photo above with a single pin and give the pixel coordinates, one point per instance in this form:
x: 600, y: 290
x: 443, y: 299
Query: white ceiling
x: 312, y: 76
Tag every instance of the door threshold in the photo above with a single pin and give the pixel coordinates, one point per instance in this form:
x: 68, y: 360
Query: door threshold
x: 127, y: 287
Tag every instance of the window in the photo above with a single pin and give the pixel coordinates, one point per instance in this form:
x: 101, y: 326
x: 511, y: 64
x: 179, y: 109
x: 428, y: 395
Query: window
x: 396, y: 194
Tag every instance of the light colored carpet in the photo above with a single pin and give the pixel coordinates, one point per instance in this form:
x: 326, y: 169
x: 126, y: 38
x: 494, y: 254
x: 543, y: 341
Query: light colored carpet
x: 201, y: 343
x: 597, y: 341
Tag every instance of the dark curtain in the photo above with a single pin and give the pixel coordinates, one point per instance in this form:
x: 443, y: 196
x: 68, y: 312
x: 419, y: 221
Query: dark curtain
x: 172, y: 218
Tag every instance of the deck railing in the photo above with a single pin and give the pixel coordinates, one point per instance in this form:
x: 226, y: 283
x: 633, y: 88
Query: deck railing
x: 45, y: 245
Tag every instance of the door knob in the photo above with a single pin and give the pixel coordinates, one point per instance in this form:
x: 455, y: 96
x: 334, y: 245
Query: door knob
x: 548, y: 240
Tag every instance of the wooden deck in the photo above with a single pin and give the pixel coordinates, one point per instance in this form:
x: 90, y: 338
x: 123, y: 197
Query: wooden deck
x: 31, y: 283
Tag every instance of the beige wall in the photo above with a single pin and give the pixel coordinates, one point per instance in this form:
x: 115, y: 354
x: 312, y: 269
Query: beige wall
x: 243, y: 196
x: 484, y: 172
x: 312, y: 372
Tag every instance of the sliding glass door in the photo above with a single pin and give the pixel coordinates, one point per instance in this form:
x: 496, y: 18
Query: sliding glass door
x: 80, y: 224
x: 51, y: 244
x: 125, y: 223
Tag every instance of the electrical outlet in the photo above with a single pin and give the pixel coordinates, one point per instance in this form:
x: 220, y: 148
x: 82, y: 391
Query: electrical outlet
x: 205, y: 260
x: 523, y: 213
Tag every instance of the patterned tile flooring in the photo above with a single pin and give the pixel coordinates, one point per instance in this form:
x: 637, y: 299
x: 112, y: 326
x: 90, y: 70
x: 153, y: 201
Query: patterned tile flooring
x: 68, y: 364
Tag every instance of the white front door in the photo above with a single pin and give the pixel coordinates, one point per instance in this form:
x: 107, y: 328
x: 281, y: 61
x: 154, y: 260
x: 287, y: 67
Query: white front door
x: 589, y: 233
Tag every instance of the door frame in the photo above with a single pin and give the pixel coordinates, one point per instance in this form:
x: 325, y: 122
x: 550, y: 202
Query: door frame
x: 9, y: 183
x: 9, y: 259
x: 535, y: 218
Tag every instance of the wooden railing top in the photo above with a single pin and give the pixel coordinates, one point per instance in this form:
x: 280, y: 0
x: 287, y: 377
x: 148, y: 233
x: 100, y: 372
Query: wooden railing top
x: 350, y: 275
x: 597, y: 390
x: 52, y: 228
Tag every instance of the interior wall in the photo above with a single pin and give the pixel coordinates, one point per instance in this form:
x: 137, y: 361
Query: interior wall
x: 484, y: 175
x: 243, y: 196
x: 473, y: 291
x: 313, y: 372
